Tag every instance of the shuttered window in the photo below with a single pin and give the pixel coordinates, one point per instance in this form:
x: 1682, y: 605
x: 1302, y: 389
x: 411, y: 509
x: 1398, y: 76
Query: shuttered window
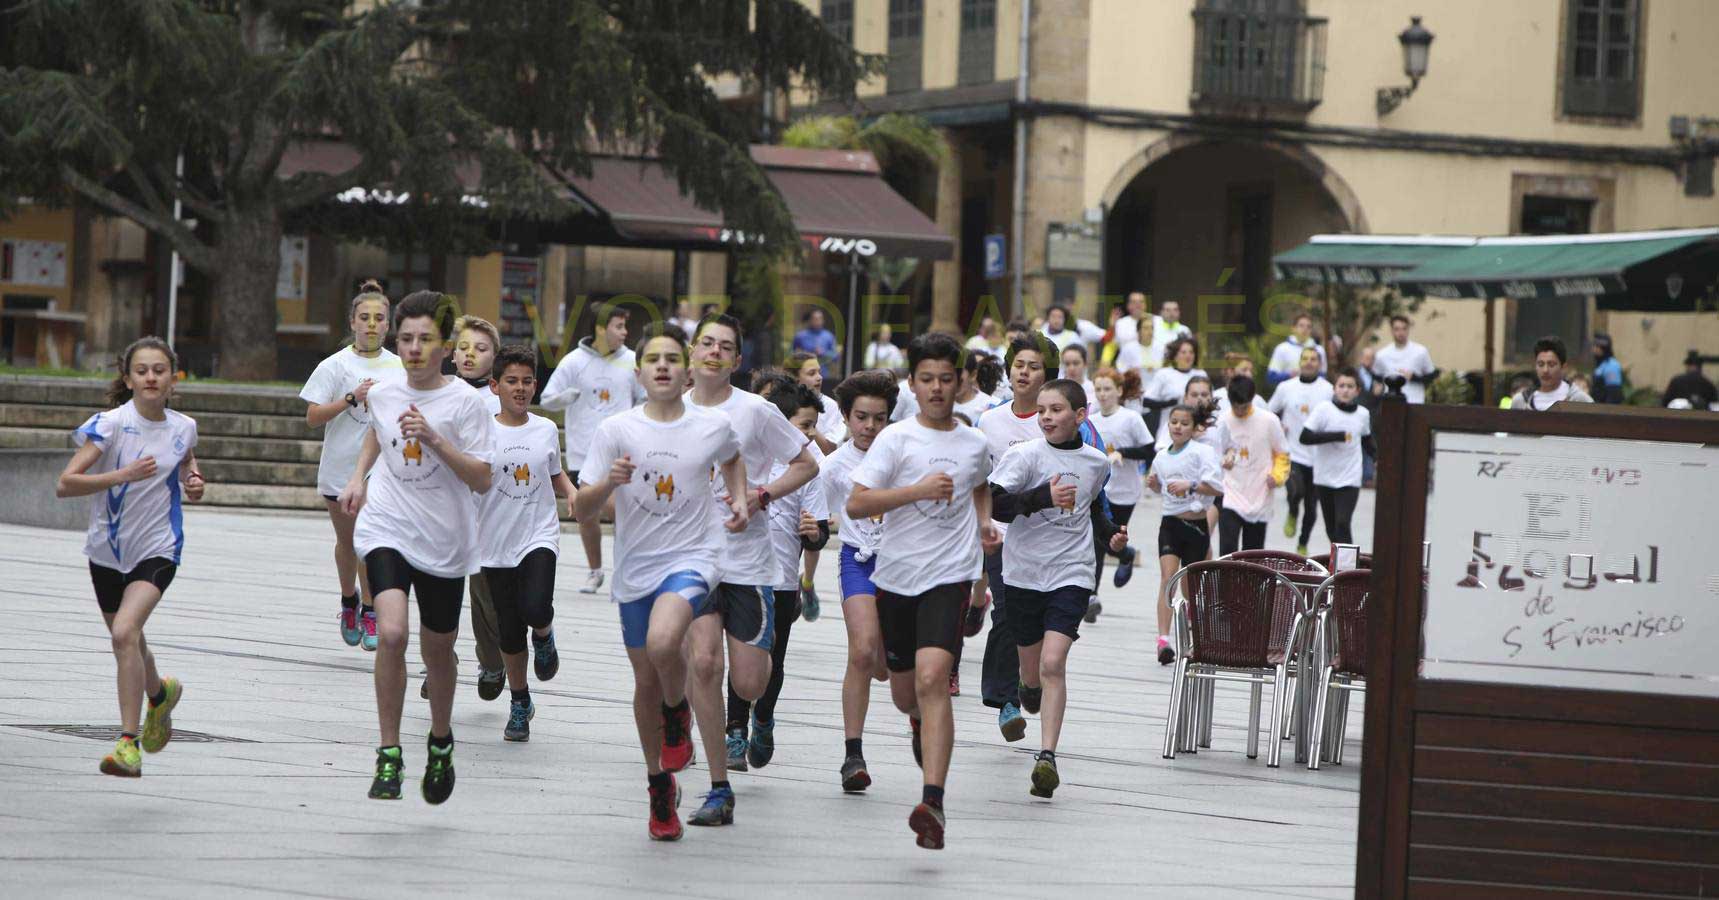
x: 1601, y: 58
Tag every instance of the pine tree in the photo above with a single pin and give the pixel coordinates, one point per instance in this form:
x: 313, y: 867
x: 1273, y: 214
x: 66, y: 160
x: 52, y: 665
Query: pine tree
x: 99, y: 99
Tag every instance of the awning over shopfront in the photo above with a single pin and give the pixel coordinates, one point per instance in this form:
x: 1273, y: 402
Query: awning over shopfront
x: 1363, y: 260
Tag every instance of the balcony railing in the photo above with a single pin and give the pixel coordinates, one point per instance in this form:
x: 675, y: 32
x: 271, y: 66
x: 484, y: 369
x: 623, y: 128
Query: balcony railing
x: 1248, y: 60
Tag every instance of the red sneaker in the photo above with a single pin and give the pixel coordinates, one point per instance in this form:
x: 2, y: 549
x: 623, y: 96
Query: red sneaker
x: 927, y: 822
x: 677, y: 752
x: 918, y: 754
x: 954, y: 683
x: 665, y: 813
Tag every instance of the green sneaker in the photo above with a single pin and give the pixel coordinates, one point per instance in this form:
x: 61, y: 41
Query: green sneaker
x: 386, y: 785
x: 1045, y: 780
x: 1289, y: 526
x: 158, y: 720
x: 1301, y: 549
x: 124, y: 761
x: 438, y: 783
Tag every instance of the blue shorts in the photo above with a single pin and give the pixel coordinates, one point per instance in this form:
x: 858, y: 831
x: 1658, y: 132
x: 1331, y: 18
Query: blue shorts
x: 856, y: 575
x: 636, y: 614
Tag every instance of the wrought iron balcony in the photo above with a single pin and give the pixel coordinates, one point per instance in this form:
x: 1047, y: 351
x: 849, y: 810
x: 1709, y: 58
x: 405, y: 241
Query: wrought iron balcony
x: 1251, y: 60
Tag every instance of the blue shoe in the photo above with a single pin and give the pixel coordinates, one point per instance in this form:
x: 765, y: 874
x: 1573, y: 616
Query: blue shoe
x: 1124, y: 567
x: 736, y: 749
x: 351, y: 631
x: 809, y: 602
x: 718, y: 809
x: 544, y: 658
x: 1010, y: 722
x: 368, y: 621
x: 519, y: 718
x: 763, y: 744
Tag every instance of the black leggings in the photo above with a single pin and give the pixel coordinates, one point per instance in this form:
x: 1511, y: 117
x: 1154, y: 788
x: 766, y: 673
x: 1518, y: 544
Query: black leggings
x: 523, y: 596
x: 1339, y: 507
x: 787, y: 611
x: 439, y: 599
x: 1120, y: 513
x: 1232, y: 526
x: 1303, y: 494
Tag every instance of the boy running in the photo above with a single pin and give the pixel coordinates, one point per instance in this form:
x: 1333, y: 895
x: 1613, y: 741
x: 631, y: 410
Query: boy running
x: 1293, y: 402
x: 1255, y: 461
x: 475, y: 346
x: 1339, y: 431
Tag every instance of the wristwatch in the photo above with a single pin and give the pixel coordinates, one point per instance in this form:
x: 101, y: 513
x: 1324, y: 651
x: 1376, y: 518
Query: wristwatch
x: 351, y: 400
x: 763, y: 498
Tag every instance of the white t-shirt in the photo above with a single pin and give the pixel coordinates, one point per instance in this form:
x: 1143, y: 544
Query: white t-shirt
x: 1195, y: 463
x: 1286, y: 356
x: 929, y: 542
x: 334, y: 378
x: 836, y: 475
x: 1132, y: 357
x: 1293, y: 402
x: 1256, y: 440
x: 1170, y: 383
x: 784, y: 515
x: 1051, y: 548
x: 1003, y: 429
x: 1543, y: 399
x: 906, y: 405
x: 1125, y: 332
x: 663, y: 522
x: 1389, y: 359
x: 884, y: 356
x: 975, y: 407
x: 416, y: 504
x: 132, y: 522
x: 1207, y: 435
x: 1062, y: 339
x: 1221, y: 397
x: 766, y: 438
x: 519, y: 513
x: 607, y: 385
x: 1338, y: 464
x: 830, y: 423
x: 1119, y: 430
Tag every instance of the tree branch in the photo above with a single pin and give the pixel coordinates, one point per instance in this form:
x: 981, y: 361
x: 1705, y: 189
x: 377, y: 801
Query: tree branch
x: 193, y: 199
x: 196, y: 252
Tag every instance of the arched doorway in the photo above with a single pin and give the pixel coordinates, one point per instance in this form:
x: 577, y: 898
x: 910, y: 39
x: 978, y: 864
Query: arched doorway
x: 1189, y: 217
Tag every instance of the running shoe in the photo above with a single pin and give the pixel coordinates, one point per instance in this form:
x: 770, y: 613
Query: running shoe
x: 1301, y: 549
x: 386, y: 784
x: 424, y: 688
x: 762, y: 747
x: 855, y: 779
x: 158, y: 720
x: 1092, y: 611
x: 519, y: 716
x: 490, y: 683
x: 350, y: 630
x: 368, y: 620
x: 438, y: 782
x: 1031, y: 697
x: 954, y: 682
x: 544, y: 659
x: 736, y: 744
x: 927, y: 822
x: 918, y: 754
x: 593, y: 584
x: 665, y: 818
x: 1045, y: 780
x: 718, y: 808
x: 809, y: 601
x: 975, y: 621
x: 1010, y: 723
x: 678, y: 752
x: 1166, y: 653
x: 125, y: 760
x: 1289, y: 526
x: 1124, y: 567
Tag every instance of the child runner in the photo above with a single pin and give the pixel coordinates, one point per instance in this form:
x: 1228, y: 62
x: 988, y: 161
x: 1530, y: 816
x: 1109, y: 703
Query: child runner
x: 1170, y: 382
x: 1293, y: 402
x: 1255, y: 460
x: 655, y: 461
x: 798, y: 522
x: 1048, y: 490
x: 1073, y: 368
x: 138, y: 457
x: 749, y: 567
x: 1340, y: 430
x: 927, y: 478
x: 1184, y: 472
x: 520, y: 531
x: 1549, y: 359
x: 417, y: 527
x: 476, y: 342
x: 866, y: 399
x: 828, y: 433
x: 595, y: 381
x: 1127, y: 445
x: 339, y: 396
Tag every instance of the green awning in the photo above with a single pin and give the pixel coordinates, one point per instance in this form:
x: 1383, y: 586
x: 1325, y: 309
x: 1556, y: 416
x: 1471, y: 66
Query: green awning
x: 1632, y: 270
x: 1363, y: 260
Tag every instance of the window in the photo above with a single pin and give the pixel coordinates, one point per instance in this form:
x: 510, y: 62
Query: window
x: 408, y: 272
x: 1257, y: 53
x: 906, y: 46
x: 838, y: 16
x: 1601, y: 58
x: 978, y: 61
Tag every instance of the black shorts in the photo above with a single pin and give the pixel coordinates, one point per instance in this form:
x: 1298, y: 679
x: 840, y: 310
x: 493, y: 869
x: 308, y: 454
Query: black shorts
x: 911, y: 624
x: 110, y: 584
x: 748, y: 613
x: 523, y: 597
x: 1187, y: 540
x: 1032, y: 613
x: 439, y: 599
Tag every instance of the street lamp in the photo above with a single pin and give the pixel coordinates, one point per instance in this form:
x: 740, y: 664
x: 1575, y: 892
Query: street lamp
x: 1417, y: 45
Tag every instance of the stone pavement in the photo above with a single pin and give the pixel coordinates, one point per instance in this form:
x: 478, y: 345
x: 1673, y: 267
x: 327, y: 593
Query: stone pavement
x: 262, y: 793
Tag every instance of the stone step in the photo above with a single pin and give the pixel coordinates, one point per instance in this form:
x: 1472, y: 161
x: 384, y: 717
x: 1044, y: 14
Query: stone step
x: 239, y: 471
x: 26, y: 415
x: 214, y: 447
x: 190, y: 398
x: 269, y: 496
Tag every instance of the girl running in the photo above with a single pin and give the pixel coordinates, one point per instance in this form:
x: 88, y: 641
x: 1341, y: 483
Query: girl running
x: 1170, y: 382
x: 1185, y: 472
x: 867, y: 400
x: 520, y: 531
x: 1339, y: 431
x: 339, y: 396
x: 828, y: 432
x: 1128, y: 446
x: 417, y: 528
x: 138, y: 457
x: 656, y: 460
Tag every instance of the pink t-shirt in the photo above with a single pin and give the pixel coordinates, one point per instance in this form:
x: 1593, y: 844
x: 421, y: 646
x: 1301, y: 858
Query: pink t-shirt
x: 1256, y: 440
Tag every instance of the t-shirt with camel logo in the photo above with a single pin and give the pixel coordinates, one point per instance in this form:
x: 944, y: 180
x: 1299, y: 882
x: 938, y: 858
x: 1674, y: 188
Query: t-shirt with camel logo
x: 519, y: 513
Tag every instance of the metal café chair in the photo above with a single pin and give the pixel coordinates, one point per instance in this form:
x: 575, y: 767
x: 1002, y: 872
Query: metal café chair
x: 1235, y: 622
x: 1307, y: 573
x: 1363, y: 561
x: 1339, y: 663
x: 1280, y: 560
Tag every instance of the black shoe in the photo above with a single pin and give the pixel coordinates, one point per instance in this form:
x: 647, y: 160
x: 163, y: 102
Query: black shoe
x: 918, y: 755
x: 386, y: 784
x: 438, y: 784
x: 1166, y: 654
x: 855, y: 779
x: 1092, y: 611
x: 1124, y: 567
x: 544, y: 658
x: 1031, y: 697
x: 975, y: 622
x: 490, y: 684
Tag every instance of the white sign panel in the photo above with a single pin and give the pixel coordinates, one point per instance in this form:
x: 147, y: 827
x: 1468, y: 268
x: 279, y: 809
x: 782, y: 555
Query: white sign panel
x: 1573, y: 562
x: 34, y: 263
x: 290, y: 281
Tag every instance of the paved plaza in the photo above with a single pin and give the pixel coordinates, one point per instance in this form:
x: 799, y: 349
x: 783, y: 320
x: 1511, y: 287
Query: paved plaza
x: 263, y: 790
